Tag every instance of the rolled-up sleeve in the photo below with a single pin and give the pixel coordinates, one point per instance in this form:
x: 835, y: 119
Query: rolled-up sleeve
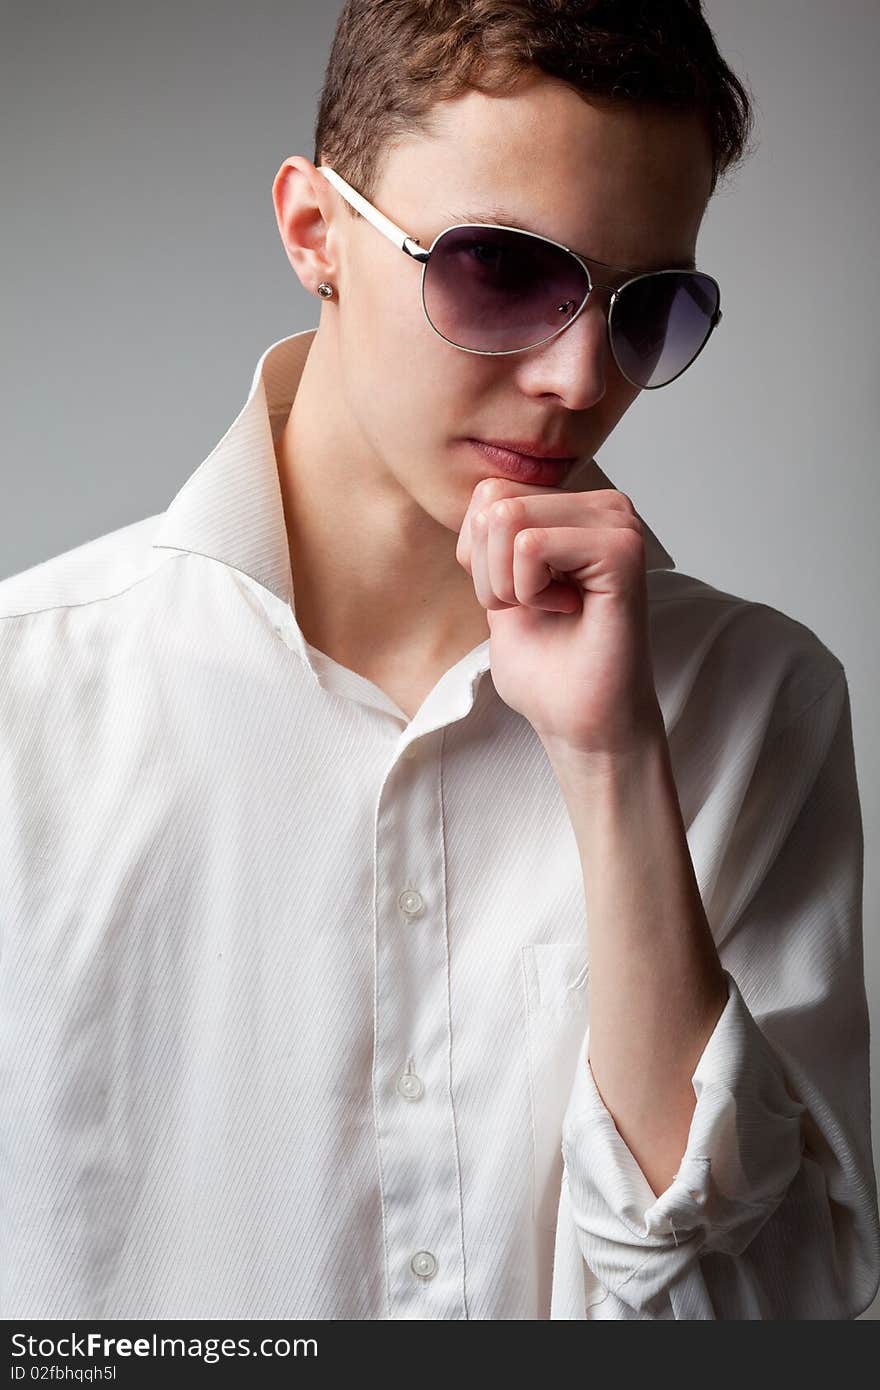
x: 773, y: 1210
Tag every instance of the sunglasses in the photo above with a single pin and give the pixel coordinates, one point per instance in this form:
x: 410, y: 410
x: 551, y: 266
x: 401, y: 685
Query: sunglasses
x: 493, y: 289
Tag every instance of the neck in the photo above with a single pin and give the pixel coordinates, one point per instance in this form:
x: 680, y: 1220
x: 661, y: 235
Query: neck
x: 375, y: 576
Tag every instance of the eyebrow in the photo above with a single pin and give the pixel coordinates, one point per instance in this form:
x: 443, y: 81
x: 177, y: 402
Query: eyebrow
x: 509, y: 219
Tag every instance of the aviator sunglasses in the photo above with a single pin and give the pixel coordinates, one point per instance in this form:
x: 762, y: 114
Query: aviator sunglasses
x: 493, y: 289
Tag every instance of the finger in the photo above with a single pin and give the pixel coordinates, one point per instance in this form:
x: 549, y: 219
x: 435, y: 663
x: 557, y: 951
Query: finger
x: 546, y: 507
x: 505, y: 520
x: 485, y: 493
x: 477, y: 558
x: 603, y: 558
x: 512, y: 515
x: 479, y: 563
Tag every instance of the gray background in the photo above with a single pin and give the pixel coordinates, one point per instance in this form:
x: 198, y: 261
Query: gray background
x: 143, y: 276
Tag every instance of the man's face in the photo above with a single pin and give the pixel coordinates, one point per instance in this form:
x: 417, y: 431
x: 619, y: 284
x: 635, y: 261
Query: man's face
x: 620, y: 185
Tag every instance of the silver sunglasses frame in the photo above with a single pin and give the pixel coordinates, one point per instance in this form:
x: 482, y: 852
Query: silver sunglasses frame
x: 413, y: 248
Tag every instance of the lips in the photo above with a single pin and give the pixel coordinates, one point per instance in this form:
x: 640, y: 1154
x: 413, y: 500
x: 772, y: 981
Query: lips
x: 524, y: 468
x: 531, y: 449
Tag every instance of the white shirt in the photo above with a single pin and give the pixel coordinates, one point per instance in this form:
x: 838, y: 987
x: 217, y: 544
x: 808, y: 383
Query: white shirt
x: 294, y: 991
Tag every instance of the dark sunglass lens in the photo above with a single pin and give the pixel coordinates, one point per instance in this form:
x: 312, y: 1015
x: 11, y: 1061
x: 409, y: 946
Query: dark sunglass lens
x: 660, y: 322
x: 495, y: 290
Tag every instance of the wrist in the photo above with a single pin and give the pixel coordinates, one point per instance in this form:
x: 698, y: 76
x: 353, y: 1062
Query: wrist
x: 645, y: 740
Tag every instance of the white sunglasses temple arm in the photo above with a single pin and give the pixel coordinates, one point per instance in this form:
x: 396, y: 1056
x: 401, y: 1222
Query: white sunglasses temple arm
x: 373, y: 215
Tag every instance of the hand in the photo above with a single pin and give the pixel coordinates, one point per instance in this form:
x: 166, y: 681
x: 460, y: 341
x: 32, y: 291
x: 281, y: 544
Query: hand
x: 562, y: 577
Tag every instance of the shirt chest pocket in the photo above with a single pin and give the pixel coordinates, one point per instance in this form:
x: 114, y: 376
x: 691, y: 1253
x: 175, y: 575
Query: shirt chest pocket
x: 555, y: 979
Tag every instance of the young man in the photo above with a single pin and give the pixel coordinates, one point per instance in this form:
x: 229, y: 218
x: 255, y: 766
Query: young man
x: 419, y: 899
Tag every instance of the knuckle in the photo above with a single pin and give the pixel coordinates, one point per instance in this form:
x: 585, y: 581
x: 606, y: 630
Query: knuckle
x: 632, y: 538
x: 488, y: 489
x: 618, y: 499
x: 508, y: 509
x: 529, y: 540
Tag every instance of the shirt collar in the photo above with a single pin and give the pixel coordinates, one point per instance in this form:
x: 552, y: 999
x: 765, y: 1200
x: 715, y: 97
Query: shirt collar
x: 230, y: 508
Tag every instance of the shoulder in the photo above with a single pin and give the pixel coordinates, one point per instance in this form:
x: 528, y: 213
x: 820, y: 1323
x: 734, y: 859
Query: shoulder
x: 62, y: 617
x: 94, y: 570
x: 721, y: 651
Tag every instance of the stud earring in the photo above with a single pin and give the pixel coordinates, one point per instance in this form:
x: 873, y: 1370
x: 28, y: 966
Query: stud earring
x: 325, y: 290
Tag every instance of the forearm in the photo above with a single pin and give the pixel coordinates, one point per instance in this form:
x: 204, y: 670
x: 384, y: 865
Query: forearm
x: 657, y: 987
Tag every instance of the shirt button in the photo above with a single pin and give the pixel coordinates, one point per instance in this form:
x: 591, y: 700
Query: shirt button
x: 411, y: 902
x: 410, y: 1086
x: 423, y: 1264
x: 409, y: 751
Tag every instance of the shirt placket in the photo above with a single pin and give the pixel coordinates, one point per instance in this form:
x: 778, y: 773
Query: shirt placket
x: 412, y: 1078
x: 413, y: 1081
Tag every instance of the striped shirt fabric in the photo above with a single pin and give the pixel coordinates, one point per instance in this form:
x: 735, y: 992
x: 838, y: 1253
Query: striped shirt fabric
x: 294, y: 989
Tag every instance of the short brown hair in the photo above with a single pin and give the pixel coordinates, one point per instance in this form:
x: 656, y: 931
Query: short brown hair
x: 392, y: 60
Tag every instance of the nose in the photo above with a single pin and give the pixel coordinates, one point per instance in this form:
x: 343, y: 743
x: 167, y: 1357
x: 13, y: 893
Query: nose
x: 591, y: 301
x: 570, y: 306
x: 573, y: 364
